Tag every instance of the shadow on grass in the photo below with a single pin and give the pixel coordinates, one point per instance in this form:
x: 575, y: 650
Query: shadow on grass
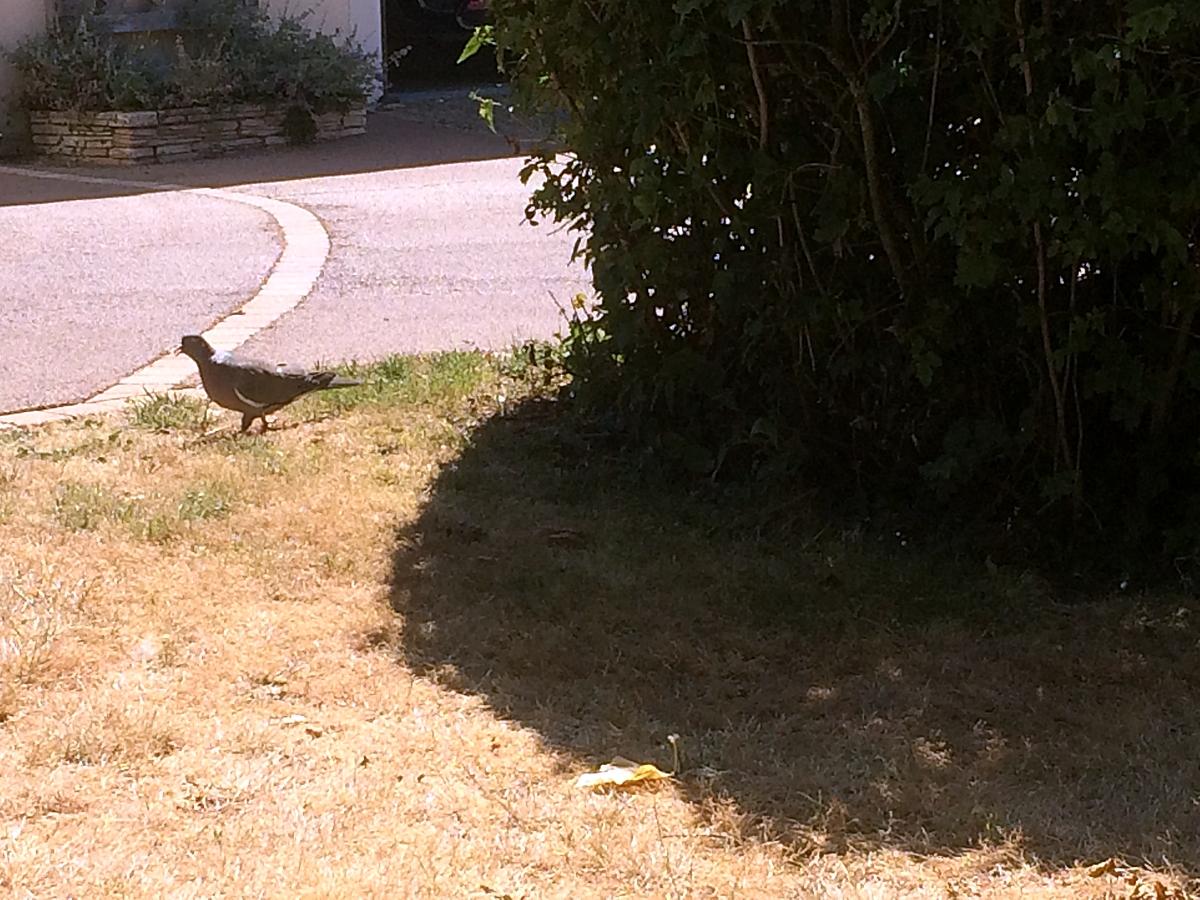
x: 835, y: 692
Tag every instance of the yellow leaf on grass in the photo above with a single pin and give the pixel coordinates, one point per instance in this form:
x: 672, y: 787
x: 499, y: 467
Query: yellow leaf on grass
x: 620, y: 772
x: 1107, y: 867
x: 1153, y: 890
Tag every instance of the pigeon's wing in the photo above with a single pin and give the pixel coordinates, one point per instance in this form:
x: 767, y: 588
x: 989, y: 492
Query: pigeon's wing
x: 262, y: 386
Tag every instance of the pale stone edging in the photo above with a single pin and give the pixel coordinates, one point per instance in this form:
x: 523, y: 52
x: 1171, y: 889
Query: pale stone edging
x: 305, y: 249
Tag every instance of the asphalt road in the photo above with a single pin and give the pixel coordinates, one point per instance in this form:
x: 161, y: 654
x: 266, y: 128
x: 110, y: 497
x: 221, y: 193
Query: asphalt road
x: 429, y: 251
x: 92, y: 289
x: 424, y: 259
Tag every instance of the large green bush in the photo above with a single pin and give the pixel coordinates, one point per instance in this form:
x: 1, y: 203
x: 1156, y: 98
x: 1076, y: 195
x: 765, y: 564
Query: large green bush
x: 226, y: 52
x: 938, y: 254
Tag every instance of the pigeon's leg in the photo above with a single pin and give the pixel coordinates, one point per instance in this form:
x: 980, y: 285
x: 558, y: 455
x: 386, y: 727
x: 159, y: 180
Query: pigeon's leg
x: 205, y: 433
x: 219, y: 430
x: 247, y: 421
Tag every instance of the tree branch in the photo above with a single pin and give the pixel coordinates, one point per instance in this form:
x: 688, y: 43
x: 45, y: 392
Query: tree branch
x: 1039, y: 244
x: 937, y: 68
x: 1162, y: 406
x: 759, y: 87
x: 876, y: 189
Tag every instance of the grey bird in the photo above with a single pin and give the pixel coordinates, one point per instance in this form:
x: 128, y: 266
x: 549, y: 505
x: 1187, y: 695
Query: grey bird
x: 252, y: 387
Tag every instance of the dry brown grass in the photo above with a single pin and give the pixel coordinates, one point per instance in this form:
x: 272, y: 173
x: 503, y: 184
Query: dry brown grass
x: 366, y: 654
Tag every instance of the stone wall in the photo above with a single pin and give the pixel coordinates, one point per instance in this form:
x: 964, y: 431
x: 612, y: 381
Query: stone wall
x: 171, y: 134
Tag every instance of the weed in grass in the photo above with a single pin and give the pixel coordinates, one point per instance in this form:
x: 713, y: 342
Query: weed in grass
x: 453, y: 376
x: 34, y: 614
x: 536, y: 365
x: 85, y: 446
x: 102, y: 731
x: 210, y: 500
x: 83, y: 507
x: 157, y: 527
x: 10, y: 700
x: 389, y: 378
x: 262, y: 456
x: 26, y: 450
x: 393, y: 372
x: 440, y: 380
x: 30, y: 620
x: 7, y: 492
x: 383, y: 475
x: 325, y: 404
x: 168, y: 412
x: 335, y: 564
x: 159, y: 521
x: 27, y: 636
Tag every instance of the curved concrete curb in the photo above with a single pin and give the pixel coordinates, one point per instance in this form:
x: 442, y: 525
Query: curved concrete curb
x: 305, y: 249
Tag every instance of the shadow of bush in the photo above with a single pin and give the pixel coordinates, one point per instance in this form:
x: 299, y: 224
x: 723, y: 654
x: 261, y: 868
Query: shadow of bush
x: 836, y: 691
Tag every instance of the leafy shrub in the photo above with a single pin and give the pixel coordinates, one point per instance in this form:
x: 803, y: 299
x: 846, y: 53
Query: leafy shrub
x: 228, y: 52
x: 279, y: 60
x: 936, y: 255
x: 76, y: 69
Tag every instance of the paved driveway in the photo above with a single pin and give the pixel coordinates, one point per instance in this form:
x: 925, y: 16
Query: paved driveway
x: 92, y: 289
x: 429, y: 250
x: 424, y: 259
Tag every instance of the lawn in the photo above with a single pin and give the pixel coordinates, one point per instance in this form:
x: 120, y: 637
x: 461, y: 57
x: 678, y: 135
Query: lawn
x: 368, y: 653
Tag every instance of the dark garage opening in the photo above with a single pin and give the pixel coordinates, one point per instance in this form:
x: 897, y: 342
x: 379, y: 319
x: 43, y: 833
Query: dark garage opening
x: 435, y: 39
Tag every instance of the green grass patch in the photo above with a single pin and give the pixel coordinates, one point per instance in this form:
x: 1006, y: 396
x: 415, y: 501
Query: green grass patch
x: 80, y: 506
x: 82, y: 443
x: 210, y: 500
x: 259, y: 455
x: 158, y: 527
x: 441, y: 380
x: 451, y: 377
x: 168, y: 412
x: 84, y: 507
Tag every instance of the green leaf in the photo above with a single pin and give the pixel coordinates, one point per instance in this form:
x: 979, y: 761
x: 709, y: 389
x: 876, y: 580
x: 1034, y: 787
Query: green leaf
x: 737, y: 10
x: 1151, y: 23
x: 487, y: 112
x: 484, y: 34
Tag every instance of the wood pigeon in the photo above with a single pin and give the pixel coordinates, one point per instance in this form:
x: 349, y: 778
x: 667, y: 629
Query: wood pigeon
x: 254, y: 388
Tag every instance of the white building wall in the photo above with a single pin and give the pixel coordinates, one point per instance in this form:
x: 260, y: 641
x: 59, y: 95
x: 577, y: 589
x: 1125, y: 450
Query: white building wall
x: 358, y: 20
x: 20, y: 19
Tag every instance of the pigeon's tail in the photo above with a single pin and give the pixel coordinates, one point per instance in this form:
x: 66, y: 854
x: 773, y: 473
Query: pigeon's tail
x: 332, y: 380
